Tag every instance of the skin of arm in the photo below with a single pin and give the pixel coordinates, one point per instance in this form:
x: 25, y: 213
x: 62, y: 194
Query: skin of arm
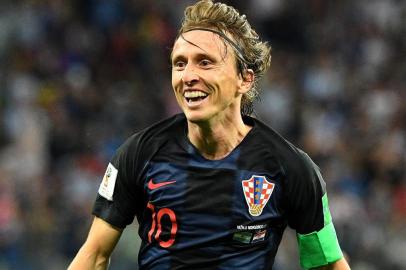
x: 95, y: 252
x: 338, y: 265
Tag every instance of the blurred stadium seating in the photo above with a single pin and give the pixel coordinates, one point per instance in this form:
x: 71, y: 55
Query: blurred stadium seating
x: 78, y: 77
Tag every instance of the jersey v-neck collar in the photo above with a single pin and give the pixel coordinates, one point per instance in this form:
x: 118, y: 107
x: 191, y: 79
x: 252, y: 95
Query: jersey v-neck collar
x: 191, y: 149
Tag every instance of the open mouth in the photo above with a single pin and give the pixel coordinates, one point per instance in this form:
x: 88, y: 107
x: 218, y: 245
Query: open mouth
x: 191, y: 100
x: 194, y: 96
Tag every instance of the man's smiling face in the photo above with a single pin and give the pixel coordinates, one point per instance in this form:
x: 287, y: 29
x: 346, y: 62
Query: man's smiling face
x: 205, y: 79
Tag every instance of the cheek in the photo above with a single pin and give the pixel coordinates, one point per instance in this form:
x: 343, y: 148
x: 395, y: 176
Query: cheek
x: 229, y: 84
x: 176, y: 81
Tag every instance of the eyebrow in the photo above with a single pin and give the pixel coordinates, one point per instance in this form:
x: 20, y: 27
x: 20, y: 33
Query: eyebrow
x: 198, y: 56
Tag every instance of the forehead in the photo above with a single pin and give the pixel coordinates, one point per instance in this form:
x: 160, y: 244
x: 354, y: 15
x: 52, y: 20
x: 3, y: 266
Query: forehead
x: 199, y: 41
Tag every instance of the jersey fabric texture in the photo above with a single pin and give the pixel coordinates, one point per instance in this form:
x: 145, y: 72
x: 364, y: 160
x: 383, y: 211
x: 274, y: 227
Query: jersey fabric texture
x: 195, y: 213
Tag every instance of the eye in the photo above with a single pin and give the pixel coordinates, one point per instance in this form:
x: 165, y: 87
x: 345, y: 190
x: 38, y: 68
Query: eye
x: 179, y: 65
x: 205, y: 62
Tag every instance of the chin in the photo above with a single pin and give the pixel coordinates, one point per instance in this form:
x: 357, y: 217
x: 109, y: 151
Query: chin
x: 196, y: 117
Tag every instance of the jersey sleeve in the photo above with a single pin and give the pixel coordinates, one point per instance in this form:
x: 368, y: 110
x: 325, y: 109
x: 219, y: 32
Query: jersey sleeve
x: 119, y: 195
x: 309, y: 215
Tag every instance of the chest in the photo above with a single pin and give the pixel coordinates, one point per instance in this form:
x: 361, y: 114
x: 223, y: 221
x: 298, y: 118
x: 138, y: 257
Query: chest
x: 216, y: 191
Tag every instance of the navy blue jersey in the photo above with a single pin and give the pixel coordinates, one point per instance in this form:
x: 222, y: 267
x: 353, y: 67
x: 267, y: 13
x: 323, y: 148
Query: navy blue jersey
x: 195, y: 213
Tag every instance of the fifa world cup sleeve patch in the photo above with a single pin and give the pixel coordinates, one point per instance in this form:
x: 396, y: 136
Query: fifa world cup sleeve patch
x: 106, y: 188
x: 321, y: 247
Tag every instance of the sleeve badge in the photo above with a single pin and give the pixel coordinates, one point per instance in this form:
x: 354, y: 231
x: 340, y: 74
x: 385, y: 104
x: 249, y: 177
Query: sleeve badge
x: 108, y: 183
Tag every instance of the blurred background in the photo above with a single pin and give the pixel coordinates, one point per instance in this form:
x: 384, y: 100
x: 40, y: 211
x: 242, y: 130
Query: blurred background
x: 78, y: 77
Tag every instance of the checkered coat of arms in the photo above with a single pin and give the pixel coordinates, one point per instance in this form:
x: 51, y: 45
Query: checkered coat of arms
x: 257, y: 191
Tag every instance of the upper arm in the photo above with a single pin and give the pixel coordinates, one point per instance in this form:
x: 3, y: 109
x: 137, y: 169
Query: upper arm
x: 96, y: 251
x: 103, y: 237
x: 120, y: 195
x: 114, y: 208
x: 310, y: 216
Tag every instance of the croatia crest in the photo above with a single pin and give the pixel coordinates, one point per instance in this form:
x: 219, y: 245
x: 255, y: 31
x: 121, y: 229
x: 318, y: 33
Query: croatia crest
x: 257, y: 191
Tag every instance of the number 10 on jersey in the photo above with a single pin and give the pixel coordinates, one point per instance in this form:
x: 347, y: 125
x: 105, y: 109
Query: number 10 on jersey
x: 157, y: 224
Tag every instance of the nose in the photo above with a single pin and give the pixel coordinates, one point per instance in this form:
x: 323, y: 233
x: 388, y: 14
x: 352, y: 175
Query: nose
x: 189, y: 76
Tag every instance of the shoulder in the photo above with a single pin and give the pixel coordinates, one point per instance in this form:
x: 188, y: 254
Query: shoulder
x: 282, y: 148
x: 296, y: 165
x: 141, y: 146
x: 157, y: 133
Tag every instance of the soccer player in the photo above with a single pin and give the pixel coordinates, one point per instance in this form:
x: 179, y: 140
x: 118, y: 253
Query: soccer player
x: 213, y: 188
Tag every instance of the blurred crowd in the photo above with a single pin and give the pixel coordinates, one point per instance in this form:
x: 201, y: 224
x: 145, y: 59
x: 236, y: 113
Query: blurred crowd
x: 78, y: 77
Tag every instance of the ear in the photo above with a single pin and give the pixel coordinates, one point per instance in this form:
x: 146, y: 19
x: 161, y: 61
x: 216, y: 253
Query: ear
x: 247, y: 80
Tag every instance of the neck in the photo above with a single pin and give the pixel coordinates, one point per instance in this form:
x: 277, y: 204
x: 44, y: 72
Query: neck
x: 216, y: 141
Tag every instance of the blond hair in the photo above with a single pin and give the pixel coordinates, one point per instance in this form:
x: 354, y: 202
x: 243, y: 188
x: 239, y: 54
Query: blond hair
x: 250, y: 51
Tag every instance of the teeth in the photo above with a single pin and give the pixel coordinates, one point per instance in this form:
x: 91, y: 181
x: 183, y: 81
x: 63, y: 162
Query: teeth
x: 195, y: 94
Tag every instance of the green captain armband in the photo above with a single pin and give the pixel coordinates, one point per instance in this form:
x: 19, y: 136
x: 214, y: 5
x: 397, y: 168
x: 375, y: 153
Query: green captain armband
x: 321, y: 247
